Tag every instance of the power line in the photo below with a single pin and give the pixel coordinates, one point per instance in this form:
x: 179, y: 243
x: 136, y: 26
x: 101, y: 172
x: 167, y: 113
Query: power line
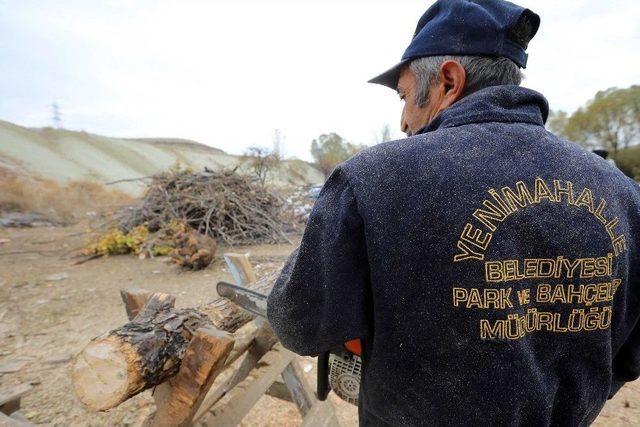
x: 56, y: 115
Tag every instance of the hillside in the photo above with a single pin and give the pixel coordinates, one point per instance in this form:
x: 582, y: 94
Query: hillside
x: 63, y: 156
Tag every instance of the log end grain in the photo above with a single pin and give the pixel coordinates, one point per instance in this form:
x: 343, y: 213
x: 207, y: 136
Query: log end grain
x: 102, y: 374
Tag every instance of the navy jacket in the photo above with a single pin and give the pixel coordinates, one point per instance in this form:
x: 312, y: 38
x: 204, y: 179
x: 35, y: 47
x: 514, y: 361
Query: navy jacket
x: 490, y: 267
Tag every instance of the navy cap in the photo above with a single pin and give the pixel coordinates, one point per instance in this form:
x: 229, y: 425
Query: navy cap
x: 469, y: 27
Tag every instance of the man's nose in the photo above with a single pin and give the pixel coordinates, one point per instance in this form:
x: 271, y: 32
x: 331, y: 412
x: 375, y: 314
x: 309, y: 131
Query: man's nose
x: 403, y: 123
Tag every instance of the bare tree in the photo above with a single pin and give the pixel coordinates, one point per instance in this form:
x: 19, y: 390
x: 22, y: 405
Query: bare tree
x: 262, y: 161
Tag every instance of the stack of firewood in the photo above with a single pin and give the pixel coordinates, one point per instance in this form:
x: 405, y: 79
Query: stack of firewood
x: 181, y: 353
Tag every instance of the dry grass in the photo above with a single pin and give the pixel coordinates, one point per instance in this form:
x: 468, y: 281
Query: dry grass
x: 60, y: 202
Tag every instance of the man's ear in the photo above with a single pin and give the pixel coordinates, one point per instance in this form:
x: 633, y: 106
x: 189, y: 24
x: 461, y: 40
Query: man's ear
x: 453, y: 78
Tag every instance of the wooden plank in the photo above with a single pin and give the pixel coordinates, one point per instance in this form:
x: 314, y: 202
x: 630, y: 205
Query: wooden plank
x: 321, y: 415
x: 7, y: 421
x: 301, y: 391
x: 314, y: 412
x: 264, y: 341
x: 10, y: 398
x: 240, y: 268
x: 19, y: 417
x: 280, y: 391
x: 246, y: 394
x: 10, y: 407
x: 10, y: 394
x: 244, y: 338
x: 203, y: 361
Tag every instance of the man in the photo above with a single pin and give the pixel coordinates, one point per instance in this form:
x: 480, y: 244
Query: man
x: 489, y: 267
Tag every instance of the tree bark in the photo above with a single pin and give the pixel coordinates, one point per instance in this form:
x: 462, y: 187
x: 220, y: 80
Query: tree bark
x: 139, y: 355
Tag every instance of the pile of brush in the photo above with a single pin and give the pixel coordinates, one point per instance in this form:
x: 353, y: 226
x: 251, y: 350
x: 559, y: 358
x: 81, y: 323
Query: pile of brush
x: 229, y: 207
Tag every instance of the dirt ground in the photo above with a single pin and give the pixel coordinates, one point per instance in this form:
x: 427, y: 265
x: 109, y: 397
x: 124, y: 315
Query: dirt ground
x: 50, y: 309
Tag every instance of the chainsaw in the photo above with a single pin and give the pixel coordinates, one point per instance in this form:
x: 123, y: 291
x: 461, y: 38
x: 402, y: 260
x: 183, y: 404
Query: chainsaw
x: 338, y: 370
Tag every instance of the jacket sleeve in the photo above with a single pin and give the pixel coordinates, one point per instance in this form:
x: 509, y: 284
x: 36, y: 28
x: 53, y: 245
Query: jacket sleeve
x: 626, y: 363
x: 320, y: 299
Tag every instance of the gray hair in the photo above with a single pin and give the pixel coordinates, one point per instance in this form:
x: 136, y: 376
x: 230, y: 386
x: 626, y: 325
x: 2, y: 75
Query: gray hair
x: 482, y: 71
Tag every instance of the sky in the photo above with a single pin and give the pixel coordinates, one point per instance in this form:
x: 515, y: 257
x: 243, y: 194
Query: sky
x: 229, y: 73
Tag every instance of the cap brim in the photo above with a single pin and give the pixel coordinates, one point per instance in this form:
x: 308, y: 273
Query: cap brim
x: 390, y: 77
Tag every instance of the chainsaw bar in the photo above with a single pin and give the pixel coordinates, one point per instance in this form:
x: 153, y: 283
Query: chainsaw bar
x: 247, y: 299
x: 335, y: 371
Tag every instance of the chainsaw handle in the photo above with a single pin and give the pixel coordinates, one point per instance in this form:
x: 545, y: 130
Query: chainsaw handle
x: 323, y: 376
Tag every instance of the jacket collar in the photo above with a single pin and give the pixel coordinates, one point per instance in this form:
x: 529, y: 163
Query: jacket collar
x: 507, y: 104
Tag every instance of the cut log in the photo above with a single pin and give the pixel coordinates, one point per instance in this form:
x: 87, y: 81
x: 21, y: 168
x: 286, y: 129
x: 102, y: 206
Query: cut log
x: 227, y: 316
x: 150, y: 348
x: 135, y: 299
x: 139, y: 355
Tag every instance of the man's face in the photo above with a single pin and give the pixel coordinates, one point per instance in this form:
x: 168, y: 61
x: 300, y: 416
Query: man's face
x: 443, y: 93
x: 413, y: 117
